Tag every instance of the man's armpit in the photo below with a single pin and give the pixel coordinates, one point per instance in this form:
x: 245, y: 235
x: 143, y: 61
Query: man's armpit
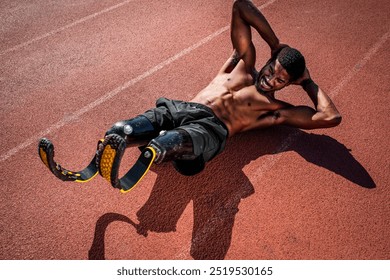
x: 235, y: 59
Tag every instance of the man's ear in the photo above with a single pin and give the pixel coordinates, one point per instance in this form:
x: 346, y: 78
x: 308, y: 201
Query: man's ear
x: 288, y: 83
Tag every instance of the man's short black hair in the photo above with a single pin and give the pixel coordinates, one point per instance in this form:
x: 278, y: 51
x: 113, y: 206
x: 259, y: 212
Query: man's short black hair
x: 292, y: 60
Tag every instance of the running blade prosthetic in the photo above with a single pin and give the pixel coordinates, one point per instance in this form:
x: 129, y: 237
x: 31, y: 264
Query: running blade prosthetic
x: 108, y: 160
x: 46, y: 153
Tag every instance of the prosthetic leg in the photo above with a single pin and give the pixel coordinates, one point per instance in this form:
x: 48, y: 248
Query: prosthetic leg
x: 137, y: 131
x: 134, y: 132
x: 46, y: 153
x: 169, y: 145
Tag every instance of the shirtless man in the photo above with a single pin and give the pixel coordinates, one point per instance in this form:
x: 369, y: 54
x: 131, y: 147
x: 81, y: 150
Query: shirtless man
x: 238, y: 99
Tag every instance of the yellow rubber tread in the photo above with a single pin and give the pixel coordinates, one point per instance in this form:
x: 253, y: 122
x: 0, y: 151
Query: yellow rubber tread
x: 85, y: 181
x: 43, y: 156
x: 106, y: 162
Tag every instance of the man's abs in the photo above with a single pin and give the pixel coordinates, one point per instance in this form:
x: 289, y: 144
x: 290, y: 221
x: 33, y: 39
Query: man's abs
x: 239, y: 111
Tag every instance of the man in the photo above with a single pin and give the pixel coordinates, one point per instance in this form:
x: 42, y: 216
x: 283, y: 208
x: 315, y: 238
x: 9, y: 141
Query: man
x: 238, y: 99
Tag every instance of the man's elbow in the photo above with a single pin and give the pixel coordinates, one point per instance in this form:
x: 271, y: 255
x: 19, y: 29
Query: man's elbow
x: 337, y: 120
x: 240, y: 4
x: 237, y: 2
x: 333, y: 120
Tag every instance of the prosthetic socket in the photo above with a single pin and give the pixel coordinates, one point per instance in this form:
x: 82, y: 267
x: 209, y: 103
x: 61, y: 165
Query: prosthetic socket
x: 169, y: 145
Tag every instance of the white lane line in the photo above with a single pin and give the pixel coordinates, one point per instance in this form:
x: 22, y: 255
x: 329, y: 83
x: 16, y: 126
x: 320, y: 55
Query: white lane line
x: 373, y: 50
x: 266, y: 4
x: 115, y: 92
x: 51, y: 33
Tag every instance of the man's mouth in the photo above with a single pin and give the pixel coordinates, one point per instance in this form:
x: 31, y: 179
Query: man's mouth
x: 264, y: 84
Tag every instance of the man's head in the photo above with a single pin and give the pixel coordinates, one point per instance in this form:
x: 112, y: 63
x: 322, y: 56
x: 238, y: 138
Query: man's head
x: 284, y: 67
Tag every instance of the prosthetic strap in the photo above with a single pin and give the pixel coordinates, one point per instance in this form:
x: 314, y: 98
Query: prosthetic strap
x: 46, y: 153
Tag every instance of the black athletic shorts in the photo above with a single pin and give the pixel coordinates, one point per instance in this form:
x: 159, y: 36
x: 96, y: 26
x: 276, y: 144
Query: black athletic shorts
x: 207, y: 132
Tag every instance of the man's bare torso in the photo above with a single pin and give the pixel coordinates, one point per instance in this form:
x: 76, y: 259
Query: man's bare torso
x: 235, y: 100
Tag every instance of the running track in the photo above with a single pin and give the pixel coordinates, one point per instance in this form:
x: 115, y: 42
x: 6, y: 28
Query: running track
x: 70, y: 69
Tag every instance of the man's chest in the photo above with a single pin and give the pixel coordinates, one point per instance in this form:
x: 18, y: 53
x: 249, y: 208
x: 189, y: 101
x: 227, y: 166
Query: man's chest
x: 250, y: 97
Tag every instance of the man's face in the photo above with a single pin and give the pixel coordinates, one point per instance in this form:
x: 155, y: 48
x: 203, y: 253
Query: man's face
x: 273, y: 77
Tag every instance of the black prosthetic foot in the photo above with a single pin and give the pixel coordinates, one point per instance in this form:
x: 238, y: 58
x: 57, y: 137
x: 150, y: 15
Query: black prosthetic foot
x: 46, y: 153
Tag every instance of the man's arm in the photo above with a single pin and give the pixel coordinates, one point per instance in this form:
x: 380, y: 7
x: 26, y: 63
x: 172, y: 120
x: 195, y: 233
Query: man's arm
x: 231, y: 63
x: 244, y: 16
x: 323, y: 115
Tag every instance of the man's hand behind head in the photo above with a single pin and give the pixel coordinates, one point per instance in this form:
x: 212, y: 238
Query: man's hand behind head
x: 305, y: 76
x: 277, y: 49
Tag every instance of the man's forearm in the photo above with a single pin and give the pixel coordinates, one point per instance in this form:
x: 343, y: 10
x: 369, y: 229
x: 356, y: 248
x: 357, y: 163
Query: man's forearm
x: 323, y: 115
x: 253, y: 17
x: 324, y: 106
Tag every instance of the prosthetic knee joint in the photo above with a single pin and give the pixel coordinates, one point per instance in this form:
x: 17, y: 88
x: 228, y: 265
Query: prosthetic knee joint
x: 136, y: 132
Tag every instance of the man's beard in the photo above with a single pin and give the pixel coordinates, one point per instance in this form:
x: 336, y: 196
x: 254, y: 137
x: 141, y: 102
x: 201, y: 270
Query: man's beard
x: 257, y: 82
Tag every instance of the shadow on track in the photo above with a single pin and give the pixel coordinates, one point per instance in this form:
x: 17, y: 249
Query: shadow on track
x: 98, y: 246
x: 217, y: 191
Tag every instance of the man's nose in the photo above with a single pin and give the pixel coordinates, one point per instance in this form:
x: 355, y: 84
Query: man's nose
x: 270, y: 79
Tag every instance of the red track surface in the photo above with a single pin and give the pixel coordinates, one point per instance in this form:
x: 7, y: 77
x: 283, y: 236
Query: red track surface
x: 281, y: 193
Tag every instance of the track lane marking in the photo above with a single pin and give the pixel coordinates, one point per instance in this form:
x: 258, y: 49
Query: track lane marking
x: 51, y: 33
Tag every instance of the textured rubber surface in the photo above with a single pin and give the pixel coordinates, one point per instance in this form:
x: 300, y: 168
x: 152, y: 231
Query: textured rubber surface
x: 109, y: 157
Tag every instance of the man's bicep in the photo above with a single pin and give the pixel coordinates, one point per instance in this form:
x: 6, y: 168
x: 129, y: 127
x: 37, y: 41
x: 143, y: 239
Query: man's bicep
x: 297, y: 116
